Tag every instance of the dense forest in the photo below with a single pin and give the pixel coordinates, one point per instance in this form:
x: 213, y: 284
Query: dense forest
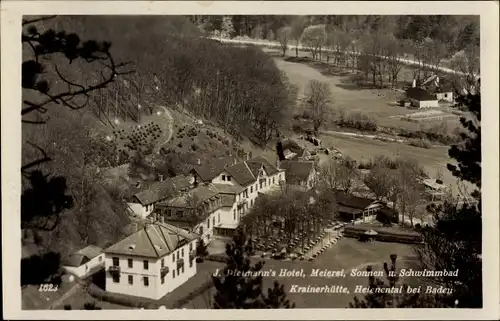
x: 148, y: 62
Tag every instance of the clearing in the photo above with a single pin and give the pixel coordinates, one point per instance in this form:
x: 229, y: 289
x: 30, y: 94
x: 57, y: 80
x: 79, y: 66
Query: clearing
x: 380, y: 104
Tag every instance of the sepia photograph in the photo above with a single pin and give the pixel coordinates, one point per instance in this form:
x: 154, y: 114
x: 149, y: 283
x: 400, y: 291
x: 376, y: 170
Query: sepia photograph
x: 251, y: 161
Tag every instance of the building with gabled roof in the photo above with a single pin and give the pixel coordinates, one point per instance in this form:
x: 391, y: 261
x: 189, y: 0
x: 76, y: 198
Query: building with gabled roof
x: 84, y: 261
x: 421, y: 98
x: 151, y: 262
x: 143, y: 202
x: 300, y: 173
x: 244, y: 179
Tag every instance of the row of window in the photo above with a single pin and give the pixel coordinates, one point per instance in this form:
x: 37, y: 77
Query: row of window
x: 263, y: 183
x: 213, y: 221
x: 130, y: 262
x: 226, y: 178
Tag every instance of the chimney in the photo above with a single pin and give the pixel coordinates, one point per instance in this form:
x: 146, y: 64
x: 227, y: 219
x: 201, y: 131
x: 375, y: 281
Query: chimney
x: 414, y: 83
x: 198, y: 161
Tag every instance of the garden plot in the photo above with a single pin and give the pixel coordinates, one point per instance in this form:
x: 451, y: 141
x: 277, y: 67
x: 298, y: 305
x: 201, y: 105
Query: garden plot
x: 428, y: 115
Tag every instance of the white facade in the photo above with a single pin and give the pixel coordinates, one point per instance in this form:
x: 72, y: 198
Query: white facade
x: 140, y: 210
x: 137, y: 280
x: 447, y: 96
x: 424, y: 103
x: 82, y: 270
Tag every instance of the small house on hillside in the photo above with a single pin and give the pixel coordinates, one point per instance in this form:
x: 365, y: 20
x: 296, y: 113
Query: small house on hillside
x: 82, y: 262
x: 300, y: 173
x: 421, y: 98
x: 293, y: 151
x: 440, y: 87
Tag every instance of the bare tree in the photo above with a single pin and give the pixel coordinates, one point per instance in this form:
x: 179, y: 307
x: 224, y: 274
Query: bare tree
x: 297, y: 27
x: 318, y: 99
x: 284, y: 35
x: 314, y: 37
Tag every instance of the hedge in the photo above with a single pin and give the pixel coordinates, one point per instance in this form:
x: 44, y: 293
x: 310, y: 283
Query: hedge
x: 216, y: 258
x: 196, y: 292
x: 122, y: 299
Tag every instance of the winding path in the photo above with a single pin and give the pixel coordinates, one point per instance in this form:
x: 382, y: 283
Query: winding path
x: 169, y: 120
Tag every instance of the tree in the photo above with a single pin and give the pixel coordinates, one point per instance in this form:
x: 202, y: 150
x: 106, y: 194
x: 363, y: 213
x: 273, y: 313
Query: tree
x: 201, y: 250
x: 91, y: 306
x: 283, y: 36
x: 468, y: 152
x: 297, y: 27
x: 240, y: 285
x: 314, y: 37
x: 318, y: 99
x: 454, y: 240
x: 227, y: 28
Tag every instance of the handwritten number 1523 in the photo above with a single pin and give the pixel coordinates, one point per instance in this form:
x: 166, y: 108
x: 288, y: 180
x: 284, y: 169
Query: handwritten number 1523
x: 48, y: 287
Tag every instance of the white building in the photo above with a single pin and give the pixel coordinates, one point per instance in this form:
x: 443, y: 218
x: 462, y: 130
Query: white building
x: 239, y: 183
x: 420, y: 98
x: 143, y: 203
x: 197, y: 210
x: 300, y: 173
x: 151, y: 262
x: 87, y: 260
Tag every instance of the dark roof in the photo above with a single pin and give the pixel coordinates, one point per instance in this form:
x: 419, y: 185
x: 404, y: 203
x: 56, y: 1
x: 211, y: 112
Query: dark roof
x: 228, y: 189
x: 228, y: 200
x: 241, y: 173
x: 296, y: 172
x: 154, y: 240
x: 161, y: 190
x: 352, y: 201
x: 347, y: 209
x: 213, y: 168
x: 83, y: 256
x: 198, y: 194
x: 268, y: 166
x: 419, y: 94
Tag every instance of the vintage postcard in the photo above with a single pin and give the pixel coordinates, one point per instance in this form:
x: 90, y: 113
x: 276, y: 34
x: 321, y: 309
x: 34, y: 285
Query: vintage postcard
x: 192, y: 160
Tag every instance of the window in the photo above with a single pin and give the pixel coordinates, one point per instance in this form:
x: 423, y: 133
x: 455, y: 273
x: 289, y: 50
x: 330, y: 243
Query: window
x: 201, y: 230
x: 190, y: 247
x: 234, y: 214
x: 213, y: 221
x: 130, y: 279
x: 116, y: 278
x: 273, y: 181
x: 183, y: 269
x: 223, y: 177
x: 100, y: 258
x: 182, y: 252
x: 191, y: 263
x: 229, y: 178
x: 173, y: 257
x: 260, y: 185
x: 208, y: 223
x: 146, y: 281
x: 146, y: 264
x: 173, y: 274
x: 130, y: 263
x: 251, y: 189
x: 116, y: 261
x: 162, y: 262
x: 218, y: 218
x: 162, y: 280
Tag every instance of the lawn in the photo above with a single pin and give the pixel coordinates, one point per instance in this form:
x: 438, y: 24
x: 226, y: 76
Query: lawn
x: 363, y: 149
x: 347, y: 254
x: 376, y: 103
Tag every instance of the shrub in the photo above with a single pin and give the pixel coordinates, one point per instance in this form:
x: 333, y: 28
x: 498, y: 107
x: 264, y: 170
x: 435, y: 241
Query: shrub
x: 179, y: 145
x: 422, y: 143
x: 194, y: 147
x: 67, y: 307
